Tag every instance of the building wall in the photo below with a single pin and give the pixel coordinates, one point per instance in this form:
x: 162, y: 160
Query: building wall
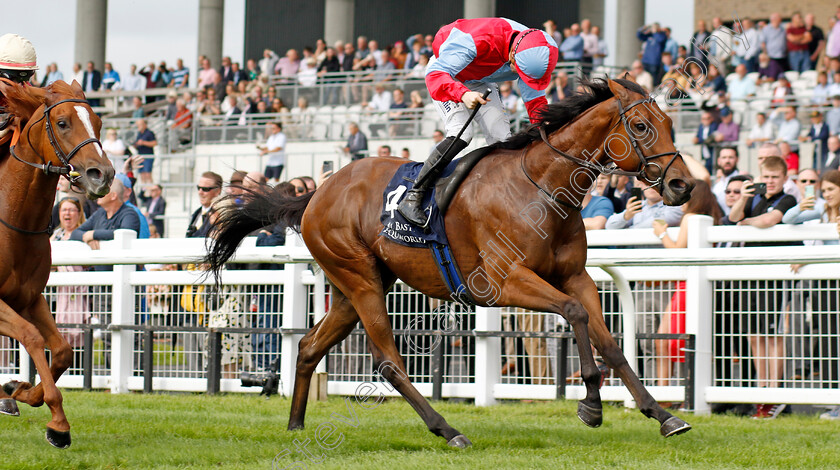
x: 388, y: 21
x: 533, y: 13
x: 282, y: 25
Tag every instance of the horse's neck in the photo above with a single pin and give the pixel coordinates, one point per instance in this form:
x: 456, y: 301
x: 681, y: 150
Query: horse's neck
x: 567, y: 179
x: 26, y: 194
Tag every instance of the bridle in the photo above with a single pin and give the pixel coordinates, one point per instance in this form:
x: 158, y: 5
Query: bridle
x: 66, y: 169
x: 644, y: 161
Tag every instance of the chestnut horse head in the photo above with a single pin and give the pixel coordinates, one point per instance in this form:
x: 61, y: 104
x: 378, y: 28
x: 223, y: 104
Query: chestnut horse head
x: 58, y: 132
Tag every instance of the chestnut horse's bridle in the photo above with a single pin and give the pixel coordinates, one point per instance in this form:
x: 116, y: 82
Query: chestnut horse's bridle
x: 66, y: 169
x: 644, y: 162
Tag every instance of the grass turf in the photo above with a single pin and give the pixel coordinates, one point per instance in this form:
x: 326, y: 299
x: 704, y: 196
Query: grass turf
x: 246, y: 431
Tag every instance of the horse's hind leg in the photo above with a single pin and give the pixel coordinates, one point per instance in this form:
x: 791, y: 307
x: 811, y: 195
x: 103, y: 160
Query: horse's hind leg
x: 532, y: 292
x: 15, y: 326
x: 583, y: 288
x: 335, y: 326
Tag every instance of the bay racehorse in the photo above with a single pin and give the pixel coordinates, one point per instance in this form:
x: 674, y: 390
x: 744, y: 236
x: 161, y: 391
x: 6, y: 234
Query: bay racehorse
x: 524, y: 195
x: 55, y: 133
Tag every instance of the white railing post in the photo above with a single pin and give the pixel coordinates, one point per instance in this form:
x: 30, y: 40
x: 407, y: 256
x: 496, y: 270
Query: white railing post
x: 294, y: 314
x: 122, y: 313
x: 698, y: 312
x: 628, y: 324
x: 488, y: 354
x: 23, y: 367
x: 320, y: 306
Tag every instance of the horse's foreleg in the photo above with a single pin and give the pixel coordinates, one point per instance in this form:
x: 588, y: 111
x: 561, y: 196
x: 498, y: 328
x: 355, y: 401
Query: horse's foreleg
x: 335, y: 326
x: 15, y: 326
x: 583, y: 288
x: 526, y: 289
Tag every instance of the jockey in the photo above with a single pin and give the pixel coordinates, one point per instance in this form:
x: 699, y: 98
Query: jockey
x: 17, y: 63
x: 469, y: 57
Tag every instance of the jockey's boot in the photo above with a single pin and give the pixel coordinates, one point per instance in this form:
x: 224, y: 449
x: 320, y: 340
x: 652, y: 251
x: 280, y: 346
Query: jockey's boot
x: 410, y: 206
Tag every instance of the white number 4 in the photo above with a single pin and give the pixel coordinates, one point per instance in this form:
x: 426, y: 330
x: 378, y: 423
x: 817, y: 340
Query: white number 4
x: 392, y: 200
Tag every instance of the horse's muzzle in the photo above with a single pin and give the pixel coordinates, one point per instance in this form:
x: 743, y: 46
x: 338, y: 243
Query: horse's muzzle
x: 97, y: 181
x: 677, y: 191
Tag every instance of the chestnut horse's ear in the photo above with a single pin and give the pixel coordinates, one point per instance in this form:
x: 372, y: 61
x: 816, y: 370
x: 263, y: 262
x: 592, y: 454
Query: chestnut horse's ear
x: 77, y: 89
x: 619, y: 91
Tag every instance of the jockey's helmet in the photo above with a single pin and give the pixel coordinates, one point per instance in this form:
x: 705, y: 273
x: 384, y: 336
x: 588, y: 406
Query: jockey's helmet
x: 535, y: 54
x: 17, y: 58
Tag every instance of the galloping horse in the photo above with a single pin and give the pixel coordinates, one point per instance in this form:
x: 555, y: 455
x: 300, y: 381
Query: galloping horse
x: 524, y: 190
x: 52, y: 130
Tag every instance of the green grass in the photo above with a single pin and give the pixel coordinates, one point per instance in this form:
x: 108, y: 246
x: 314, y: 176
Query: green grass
x: 163, y: 354
x: 246, y: 431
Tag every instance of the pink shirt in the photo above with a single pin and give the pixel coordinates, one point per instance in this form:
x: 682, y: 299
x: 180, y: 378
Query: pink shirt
x: 206, y: 77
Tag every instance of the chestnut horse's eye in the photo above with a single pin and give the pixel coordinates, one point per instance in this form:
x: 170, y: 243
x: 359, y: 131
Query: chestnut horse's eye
x: 640, y: 127
x: 62, y: 124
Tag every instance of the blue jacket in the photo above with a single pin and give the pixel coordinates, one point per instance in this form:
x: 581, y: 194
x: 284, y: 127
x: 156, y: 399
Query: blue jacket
x: 654, y: 45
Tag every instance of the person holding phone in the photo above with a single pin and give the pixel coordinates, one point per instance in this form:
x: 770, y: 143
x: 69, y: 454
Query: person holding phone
x: 812, y: 206
x: 764, y: 299
x: 645, y: 205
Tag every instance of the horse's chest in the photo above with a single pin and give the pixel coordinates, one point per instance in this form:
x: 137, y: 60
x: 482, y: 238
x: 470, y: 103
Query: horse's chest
x: 22, y: 283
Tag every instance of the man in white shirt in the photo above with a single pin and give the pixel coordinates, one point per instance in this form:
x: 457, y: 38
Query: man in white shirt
x: 275, y: 149
x: 762, y: 131
x: 380, y: 101
x: 832, y: 158
x: 727, y: 162
x: 741, y: 87
x: 789, y: 127
x: 747, y: 46
x: 134, y: 81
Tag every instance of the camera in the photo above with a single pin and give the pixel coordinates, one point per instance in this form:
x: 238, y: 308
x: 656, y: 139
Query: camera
x: 269, y: 380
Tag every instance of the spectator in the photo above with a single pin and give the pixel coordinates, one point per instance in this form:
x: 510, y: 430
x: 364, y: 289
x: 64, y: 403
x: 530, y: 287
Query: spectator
x: 832, y: 158
x: 832, y: 116
x: 380, y: 101
x: 789, y: 126
x: 134, y: 81
x: 764, y: 299
x: 773, y: 41
x: 798, y: 40
x: 52, y: 75
x: 207, y: 76
x: 781, y: 93
x: 768, y: 70
x: 78, y: 75
x: 705, y: 137
x: 238, y: 74
x: 550, y: 27
x: 818, y: 132
x: 137, y: 104
x: 183, y: 116
x: 769, y: 149
x: 91, y: 82
x: 790, y: 157
x: 641, y: 76
x: 559, y: 88
x: 233, y: 113
x: 641, y: 213
x: 397, y: 114
x: 180, y: 75
x: 114, y: 148
x: 405, y: 153
x: 832, y: 47
x: 727, y: 166
x: 817, y: 39
x: 308, y: 72
x: 698, y: 41
x: 226, y: 70
x: 747, y: 46
x: 702, y: 202
x: 595, y: 210
x: 330, y: 65
x: 384, y: 151
x: 145, y: 144
x: 113, y: 214
x: 72, y: 302
x: 155, y: 208
x: 509, y: 100
x: 762, y: 131
x: 110, y: 78
x: 731, y: 196
x: 356, y: 142
x: 822, y: 90
x: 728, y: 130
x: 209, y: 105
x: 209, y: 186
x: 602, y: 51
x: 275, y: 150
x: 741, y: 86
x: 654, y: 44
x: 347, y: 59
x: 590, y: 41
x: 288, y: 66
x: 267, y: 63
x: 572, y: 46
x: 128, y: 196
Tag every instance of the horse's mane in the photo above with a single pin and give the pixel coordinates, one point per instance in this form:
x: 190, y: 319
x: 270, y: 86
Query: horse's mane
x: 557, y: 115
x: 20, y: 100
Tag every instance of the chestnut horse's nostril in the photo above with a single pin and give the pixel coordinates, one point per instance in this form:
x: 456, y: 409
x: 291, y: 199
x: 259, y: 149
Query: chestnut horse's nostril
x: 679, y: 185
x: 94, y: 175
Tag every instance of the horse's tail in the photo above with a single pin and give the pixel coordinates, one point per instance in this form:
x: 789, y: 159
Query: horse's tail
x: 236, y: 221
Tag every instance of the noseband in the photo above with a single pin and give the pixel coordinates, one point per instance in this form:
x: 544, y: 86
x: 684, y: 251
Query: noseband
x: 644, y: 162
x: 47, y: 167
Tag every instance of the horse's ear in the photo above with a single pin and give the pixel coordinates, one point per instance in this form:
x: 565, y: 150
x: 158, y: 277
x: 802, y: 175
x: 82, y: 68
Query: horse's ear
x: 619, y: 91
x: 77, y: 89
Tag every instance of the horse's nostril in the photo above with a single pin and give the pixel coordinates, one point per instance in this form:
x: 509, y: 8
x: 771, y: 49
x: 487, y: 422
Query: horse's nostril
x: 679, y: 185
x: 94, y: 174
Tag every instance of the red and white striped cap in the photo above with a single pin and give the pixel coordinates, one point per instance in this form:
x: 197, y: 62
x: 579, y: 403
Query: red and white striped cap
x: 17, y: 53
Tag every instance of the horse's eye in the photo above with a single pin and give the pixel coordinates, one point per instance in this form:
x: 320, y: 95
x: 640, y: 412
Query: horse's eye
x: 640, y: 127
x: 62, y: 124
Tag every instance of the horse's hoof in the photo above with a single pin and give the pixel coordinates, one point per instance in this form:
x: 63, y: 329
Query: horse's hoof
x: 460, y: 441
x: 592, y: 417
x: 295, y: 427
x: 673, y: 426
x: 8, y: 406
x: 60, y: 439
